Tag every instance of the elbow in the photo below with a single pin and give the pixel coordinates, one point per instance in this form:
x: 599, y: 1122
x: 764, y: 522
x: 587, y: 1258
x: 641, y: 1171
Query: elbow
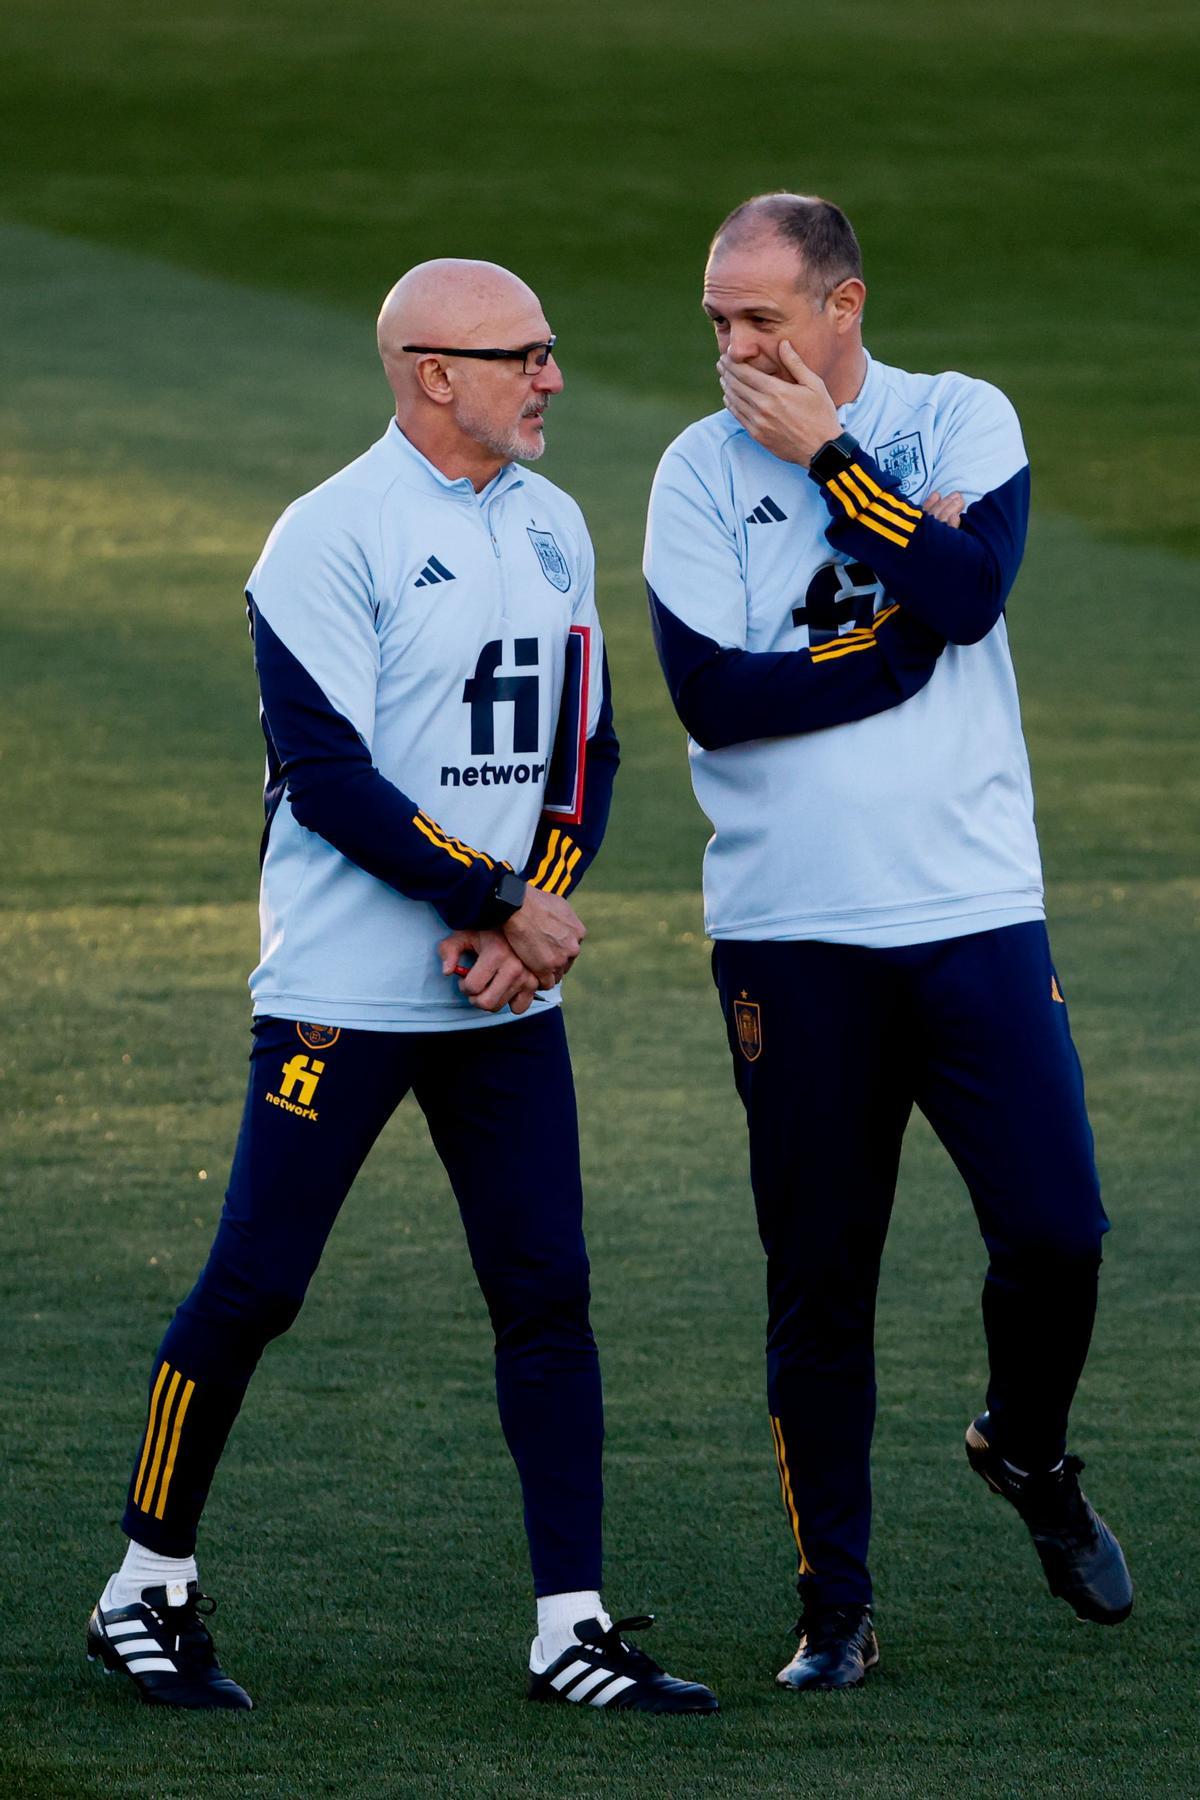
x: 706, y: 722
x: 974, y: 630
x: 702, y: 728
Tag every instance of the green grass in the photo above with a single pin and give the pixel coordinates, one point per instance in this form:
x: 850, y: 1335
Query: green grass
x: 198, y: 212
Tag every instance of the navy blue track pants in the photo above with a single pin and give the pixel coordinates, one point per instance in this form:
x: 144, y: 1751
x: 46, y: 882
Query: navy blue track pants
x: 832, y: 1046
x: 500, y: 1104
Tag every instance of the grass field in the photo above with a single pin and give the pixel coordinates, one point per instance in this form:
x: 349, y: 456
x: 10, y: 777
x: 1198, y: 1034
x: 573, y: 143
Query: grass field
x: 199, y: 211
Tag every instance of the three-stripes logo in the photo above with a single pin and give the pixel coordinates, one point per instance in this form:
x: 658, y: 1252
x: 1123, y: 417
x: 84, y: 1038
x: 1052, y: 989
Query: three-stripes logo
x: 434, y: 572
x: 584, y: 1681
x: 766, y: 513
x: 866, y: 503
x: 169, y: 1402
x: 132, y: 1643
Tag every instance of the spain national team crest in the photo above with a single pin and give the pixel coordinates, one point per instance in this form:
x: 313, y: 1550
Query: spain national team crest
x: 554, y: 563
x: 318, y: 1037
x: 748, y: 1019
x: 903, y: 460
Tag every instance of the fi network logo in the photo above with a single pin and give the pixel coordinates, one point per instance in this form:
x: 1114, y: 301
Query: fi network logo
x: 299, y: 1076
x: 483, y: 692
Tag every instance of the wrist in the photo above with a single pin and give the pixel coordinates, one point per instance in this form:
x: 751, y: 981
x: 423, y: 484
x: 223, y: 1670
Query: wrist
x: 833, y: 457
x: 507, y: 897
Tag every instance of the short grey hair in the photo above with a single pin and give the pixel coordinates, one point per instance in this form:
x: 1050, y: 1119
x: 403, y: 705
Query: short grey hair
x: 816, y: 229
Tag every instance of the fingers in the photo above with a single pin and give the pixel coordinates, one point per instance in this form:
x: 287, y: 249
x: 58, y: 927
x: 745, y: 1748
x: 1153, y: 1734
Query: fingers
x: 456, y: 947
x: 511, y: 985
x: 947, y: 508
x: 796, y: 366
x: 546, y: 933
x: 498, y: 976
x: 735, y: 375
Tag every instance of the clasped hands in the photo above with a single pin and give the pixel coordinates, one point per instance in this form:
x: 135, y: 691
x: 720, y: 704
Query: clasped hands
x: 792, y: 415
x: 532, y: 950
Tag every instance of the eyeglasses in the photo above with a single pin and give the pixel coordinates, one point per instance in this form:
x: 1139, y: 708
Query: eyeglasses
x: 532, y: 357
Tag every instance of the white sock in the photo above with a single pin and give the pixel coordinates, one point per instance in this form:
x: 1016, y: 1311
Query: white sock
x: 557, y: 1617
x: 143, y: 1569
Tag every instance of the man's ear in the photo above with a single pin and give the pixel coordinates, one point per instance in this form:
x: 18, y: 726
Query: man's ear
x: 846, y: 302
x: 433, y: 379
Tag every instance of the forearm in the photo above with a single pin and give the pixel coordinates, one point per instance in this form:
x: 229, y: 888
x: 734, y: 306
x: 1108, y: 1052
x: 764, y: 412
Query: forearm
x: 726, y: 696
x: 956, y: 581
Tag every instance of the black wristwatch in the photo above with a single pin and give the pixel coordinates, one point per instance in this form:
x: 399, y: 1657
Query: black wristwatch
x: 506, y: 898
x: 834, y: 458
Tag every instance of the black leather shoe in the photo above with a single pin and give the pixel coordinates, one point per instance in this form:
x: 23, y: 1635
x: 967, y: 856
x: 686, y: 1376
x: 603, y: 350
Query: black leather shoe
x: 602, y: 1670
x: 164, y: 1646
x: 837, y: 1647
x: 1082, y: 1559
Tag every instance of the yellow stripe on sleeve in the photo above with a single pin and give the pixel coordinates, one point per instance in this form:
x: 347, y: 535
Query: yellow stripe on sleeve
x: 565, y: 883
x: 879, y: 511
x: 885, y: 614
x: 882, y: 493
x: 148, y: 1496
x: 439, y: 842
x: 882, y: 531
x: 843, y: 647
x: 549, y: 858
x: 163, y: 1372
x: 859, y: 494
x: 555, y: 874
x: 837, y: 493
x: 180, y: 1413
x: 480, y: 855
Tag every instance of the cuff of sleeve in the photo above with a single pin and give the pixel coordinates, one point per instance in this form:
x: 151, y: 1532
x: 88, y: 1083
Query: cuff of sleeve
x: 555, y: 869
x: 859, y: 494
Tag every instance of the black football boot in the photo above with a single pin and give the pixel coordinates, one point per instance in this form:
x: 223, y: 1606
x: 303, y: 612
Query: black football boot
x: 162, y: 1643
x: 602, y: 1670
x: 1082, y: 1559
x: 837, y: 1647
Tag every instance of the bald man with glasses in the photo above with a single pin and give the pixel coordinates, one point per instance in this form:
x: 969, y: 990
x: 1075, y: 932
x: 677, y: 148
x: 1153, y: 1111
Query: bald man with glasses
x: 440, y: 760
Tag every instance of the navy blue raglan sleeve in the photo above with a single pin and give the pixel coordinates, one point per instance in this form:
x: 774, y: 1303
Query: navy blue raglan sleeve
x: 316, y: 652
x: 724, y: 693
x: 955, y: 580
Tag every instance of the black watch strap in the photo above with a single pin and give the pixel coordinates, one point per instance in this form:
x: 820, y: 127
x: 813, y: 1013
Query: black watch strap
x: 506, y: 898
x: 834, y: 458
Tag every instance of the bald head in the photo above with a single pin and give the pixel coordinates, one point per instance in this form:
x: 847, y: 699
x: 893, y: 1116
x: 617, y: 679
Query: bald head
x: 468, y: 415
x: 454, y: 301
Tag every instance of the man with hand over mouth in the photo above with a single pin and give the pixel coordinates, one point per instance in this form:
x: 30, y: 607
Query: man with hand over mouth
x: 828, y: 560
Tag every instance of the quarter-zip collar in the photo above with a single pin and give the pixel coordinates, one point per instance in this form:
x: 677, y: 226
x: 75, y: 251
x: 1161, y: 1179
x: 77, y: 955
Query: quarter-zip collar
x: 417, y: 471
x: 865, y: 398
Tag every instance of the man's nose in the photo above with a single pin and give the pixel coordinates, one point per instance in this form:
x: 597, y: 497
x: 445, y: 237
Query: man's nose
x: 549, y: 380
x: 743, y: 346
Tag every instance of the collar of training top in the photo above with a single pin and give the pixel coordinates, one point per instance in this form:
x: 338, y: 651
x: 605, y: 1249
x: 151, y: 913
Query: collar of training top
x: 417, y: 471
x: 865, y: 394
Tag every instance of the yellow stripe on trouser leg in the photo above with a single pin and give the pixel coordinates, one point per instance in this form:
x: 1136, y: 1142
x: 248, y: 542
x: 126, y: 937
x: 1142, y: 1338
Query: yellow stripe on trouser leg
x: 785, y: 1488
x: 180, y: 1414
x: 148, y: 1496
x: 163, y: 1372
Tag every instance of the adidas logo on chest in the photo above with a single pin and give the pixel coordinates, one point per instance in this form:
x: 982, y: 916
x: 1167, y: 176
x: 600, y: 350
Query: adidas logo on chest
x: 766, y: 513
x: 433, y: 573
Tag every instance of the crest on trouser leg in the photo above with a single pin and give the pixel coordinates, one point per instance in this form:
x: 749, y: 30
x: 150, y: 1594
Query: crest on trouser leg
x: 748, y: 1019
